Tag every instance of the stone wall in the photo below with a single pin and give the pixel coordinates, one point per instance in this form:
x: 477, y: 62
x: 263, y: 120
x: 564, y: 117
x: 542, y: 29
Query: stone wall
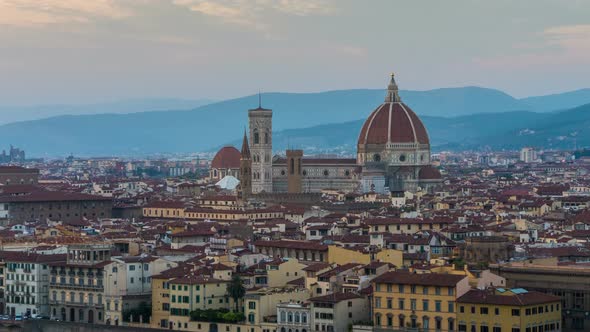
x: 53, y: 326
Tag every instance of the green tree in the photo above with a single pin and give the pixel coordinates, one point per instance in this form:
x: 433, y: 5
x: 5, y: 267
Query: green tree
x: 236, y: 289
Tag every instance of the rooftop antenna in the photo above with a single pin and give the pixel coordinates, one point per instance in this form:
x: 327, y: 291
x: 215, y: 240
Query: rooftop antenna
x: 259, y: 99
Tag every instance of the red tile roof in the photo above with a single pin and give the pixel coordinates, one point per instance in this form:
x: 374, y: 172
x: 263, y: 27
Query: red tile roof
x: 479, y: 296
x: 426, y: 279
x: 336, y: 297
x: 292, y: 245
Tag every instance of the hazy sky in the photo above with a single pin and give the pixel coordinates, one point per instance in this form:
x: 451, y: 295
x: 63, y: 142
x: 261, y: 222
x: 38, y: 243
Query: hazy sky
x: 73, y: 51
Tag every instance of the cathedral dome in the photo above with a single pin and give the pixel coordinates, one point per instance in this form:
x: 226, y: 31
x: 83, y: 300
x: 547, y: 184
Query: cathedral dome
x: 227, y: 158
x: 393, y: 122
x: 429, y: 173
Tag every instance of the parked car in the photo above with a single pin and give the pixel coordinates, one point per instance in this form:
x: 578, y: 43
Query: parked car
x: 18, y: 317
x: 4, y: 317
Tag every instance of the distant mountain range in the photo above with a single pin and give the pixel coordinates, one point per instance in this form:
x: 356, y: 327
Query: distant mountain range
x: 456, y: 118
x: 27, y: 113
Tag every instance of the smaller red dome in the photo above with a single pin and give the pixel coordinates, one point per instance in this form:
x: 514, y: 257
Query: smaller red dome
x: 429, y: 173
x: 226, y: 158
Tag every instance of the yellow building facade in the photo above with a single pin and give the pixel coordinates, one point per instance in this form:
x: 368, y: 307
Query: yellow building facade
x: 417, y: 301
x: 510, y: 310
x: 341, y: 256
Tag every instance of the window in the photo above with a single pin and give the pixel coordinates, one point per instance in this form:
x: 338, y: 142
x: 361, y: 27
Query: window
x: 437, y: 306
x: 425, y: 305
x: 497, y: 329
x: 131, y: 267
x: 437, y: 290
x: 515, y: 312
x: 252, y: 305
x: 401, y: 304
x: 462, y: 309
x: 389, y: 303
x: 483, y: 311
x: 413, y: 304
x: 425, y: 290
x: 496, y: 311
x: 451, y: 306
x: 377, y: 302
x: 401, y: 288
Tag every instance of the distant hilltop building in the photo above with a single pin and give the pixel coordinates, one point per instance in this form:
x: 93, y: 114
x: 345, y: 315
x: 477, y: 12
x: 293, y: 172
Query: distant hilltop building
x: 14, y: 155
x: 393, y: 155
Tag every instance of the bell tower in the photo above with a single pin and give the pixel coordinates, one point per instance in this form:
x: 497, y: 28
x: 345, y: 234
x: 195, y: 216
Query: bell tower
x: 260, y: 124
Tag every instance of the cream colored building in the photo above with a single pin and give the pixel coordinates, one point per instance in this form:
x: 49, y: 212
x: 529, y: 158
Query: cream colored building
x: 260, y: 305
x: 128, y: 283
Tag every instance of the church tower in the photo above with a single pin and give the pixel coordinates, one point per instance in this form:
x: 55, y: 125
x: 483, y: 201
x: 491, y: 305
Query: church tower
x: 260, y: 123
x: 294, y: 182
x: 245, y: 169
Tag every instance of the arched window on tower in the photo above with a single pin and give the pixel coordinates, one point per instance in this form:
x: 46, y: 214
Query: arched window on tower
x: 292, y: 167
x: 265, y: 138
x: 256, y: 136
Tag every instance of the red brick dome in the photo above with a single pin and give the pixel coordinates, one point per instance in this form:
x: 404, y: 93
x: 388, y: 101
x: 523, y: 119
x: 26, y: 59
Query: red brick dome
x: 393, y: 122
x: 226, y: 158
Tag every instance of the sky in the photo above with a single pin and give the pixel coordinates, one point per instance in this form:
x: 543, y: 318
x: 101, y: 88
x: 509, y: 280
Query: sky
x: 81, y: 51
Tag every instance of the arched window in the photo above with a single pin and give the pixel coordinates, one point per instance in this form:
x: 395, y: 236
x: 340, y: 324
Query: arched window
x: 256, y: 137
x: 297, y: 317
x: 290, y: 317
x: 251, y: 318
x: 283, y: 317
x: 265, y: 138
x: 377, y: 157
x: 304, y: 318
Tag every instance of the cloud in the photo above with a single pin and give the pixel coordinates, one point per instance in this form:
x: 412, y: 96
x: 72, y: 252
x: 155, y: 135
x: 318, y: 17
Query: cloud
x: 250, y: 12
x: 27, y: 13
x: 560, y: 45
x: 574, y: 38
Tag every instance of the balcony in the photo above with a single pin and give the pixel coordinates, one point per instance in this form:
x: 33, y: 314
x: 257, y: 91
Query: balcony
x: 76, y: 304
x: 76, y: 286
